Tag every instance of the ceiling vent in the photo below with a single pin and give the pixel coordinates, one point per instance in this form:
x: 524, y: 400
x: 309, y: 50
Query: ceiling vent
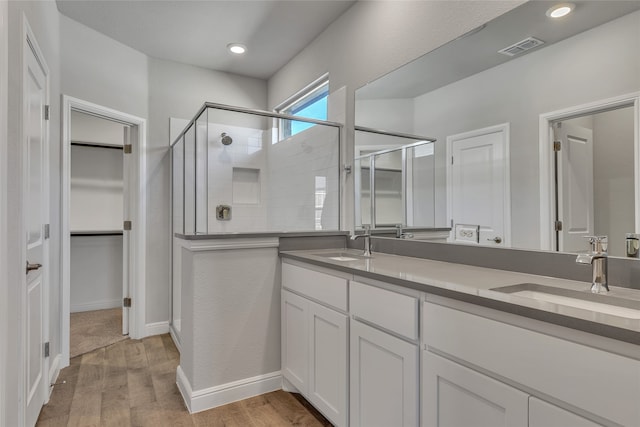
x: 521, y: 47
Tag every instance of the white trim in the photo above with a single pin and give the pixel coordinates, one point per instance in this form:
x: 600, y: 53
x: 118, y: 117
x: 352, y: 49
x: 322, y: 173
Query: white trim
x: 174, y: 337
x: 157, y: 328
x: 547, y: 187
x: 212, y: 397
x: 97, y: 305
x: 227, y: 244
x: 54, y: 371
x: 137, y: 327
x: 287, y: 103
x: 505, y: 128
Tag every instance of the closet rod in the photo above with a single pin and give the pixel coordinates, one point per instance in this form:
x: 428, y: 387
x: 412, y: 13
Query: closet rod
x: 97, y: 233
x: 89, y: 144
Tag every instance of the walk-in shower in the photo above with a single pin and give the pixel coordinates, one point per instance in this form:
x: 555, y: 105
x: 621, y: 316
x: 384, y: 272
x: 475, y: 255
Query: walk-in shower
x: 236, y: 171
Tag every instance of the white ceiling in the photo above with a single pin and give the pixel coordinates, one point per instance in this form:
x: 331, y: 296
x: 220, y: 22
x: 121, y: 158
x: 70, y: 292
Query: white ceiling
x: 197, y: 32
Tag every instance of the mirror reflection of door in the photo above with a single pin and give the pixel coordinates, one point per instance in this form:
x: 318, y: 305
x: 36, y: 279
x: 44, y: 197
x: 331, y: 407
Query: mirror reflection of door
x: 599, y: 199
x: 477, y: 186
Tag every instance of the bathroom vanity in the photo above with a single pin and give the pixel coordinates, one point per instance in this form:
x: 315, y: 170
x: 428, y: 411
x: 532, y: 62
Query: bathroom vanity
x: 428, y: 338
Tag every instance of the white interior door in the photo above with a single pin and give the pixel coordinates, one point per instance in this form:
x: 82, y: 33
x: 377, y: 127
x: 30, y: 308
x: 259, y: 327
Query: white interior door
x: 35, y: 214
x: 575, y: 186
x: 478, y: 186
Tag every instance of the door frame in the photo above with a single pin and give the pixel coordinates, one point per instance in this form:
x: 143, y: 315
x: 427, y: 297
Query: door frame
x: 505, y: 128
x: 137, y: 203
x: 547, y: 178
x: 4, y: 283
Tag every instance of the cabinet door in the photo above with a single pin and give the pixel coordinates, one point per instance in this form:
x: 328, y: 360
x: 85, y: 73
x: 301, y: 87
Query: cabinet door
x: 543, y: 414
x: 295, y: 340
x: 384, y: 379
x: 455, y: 396
x: 328, y: 381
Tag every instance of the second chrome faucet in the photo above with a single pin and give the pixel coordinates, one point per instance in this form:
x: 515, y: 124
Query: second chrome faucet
x: 367, y: 239
x: 597, y: 257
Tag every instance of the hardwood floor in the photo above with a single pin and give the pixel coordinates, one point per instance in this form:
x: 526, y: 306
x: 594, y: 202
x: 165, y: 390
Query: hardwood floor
x: 90, y: 330
x: 132, y: 383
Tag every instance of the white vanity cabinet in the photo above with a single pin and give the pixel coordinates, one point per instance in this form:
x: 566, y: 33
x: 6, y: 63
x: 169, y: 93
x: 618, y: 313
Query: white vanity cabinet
x: 454, y: 395
x: 500, y: 367
x: 544, y: 414
x: 384, y: 363
x: 314, y: 338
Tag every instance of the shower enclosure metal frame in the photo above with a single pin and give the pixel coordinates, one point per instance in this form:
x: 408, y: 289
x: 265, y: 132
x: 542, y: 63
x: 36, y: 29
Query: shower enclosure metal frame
x: 371, y: 157
x: 181, y: 137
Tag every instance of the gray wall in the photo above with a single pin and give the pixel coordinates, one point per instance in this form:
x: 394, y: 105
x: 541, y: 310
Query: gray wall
x: 371, y: 39
x: 44, y: 21
x: 519, y: 91
x: 101, y: 70
x: 178, y: 90
x: 613, y: 176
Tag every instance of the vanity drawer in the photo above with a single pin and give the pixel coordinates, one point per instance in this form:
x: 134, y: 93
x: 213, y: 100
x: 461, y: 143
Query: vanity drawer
x: 390, y: 310
x: 322, y: 287
x: 603, y: 383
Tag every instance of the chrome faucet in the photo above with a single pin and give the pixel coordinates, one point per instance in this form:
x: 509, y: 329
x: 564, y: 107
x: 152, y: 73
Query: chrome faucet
x: 597, y: 257
x: 367, y: 239
x: 400, y: 234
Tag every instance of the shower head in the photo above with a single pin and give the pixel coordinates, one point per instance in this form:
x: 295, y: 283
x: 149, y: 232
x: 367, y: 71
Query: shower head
x: 226, y: 139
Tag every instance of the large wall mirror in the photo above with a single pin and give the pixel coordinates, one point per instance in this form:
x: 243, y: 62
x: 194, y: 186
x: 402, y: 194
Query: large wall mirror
x: 536, y: 122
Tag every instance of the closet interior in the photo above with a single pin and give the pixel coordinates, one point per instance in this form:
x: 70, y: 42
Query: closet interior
x: 96, y: 228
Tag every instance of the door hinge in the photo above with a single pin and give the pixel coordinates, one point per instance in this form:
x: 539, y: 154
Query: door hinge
x: 558, y: 226
x: 128, y: 148
x: 557, y: 145
x: 47, y: 231
x: 46, y: 112
x: 46, y: 349
x: 126, y: 226
x: 451, y: 159
x: 126, y: 302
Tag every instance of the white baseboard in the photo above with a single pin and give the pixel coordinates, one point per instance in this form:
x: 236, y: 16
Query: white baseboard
x: 54, y: 371
x: 208, y: 398
x: 157, y: 328
x: 288, y: 387
x: 97, y: 305
x: 175, y: 339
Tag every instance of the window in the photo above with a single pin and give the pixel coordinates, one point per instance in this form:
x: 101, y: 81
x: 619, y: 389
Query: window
x: 311, y: 103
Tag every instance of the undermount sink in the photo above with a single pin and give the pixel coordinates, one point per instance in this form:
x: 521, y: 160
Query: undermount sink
x: 343, y: 256
x: 586, y: 300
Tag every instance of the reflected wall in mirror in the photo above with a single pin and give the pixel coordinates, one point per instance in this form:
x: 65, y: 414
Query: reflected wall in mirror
x: 395, y: 180
x: 588, y: 59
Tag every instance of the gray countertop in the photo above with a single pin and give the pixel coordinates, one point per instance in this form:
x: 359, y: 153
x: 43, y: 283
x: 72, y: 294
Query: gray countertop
x: 475, y: 284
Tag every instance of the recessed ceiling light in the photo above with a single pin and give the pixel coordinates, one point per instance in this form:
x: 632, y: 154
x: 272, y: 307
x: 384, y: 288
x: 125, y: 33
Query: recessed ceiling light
x: 560, y: 10
x: 237, y: 48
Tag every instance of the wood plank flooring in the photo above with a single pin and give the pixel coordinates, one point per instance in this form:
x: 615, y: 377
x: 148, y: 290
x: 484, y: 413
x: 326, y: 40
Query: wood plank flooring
x: 133, y: 383
x: 94, y: 329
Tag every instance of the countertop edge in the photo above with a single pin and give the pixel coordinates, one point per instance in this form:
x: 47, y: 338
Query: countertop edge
x: 249, y: 235
x: 604, y: 330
